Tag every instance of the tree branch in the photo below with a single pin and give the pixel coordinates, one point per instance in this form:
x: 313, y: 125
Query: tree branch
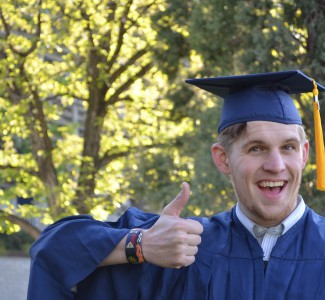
x: 35, y: 40
x: 130, y: 62
x: 111, y: 155
x: 125, y: 86
x: 25, y: 225
x: 144, y: 8
x: 122, y: 31
x: 29, y: 171
x: 58, y: 96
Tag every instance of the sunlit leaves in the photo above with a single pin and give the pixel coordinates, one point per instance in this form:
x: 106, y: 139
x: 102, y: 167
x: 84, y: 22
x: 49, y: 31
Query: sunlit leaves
x: 115, y: 70
x: 84, y: 48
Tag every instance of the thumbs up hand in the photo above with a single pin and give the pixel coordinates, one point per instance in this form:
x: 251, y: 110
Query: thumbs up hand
x: 172, y: 242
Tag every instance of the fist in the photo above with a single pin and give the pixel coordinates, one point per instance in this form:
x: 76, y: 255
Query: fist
x: 172, y: 242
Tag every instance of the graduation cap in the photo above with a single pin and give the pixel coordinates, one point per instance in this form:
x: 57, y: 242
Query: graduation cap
x: 266, y: 97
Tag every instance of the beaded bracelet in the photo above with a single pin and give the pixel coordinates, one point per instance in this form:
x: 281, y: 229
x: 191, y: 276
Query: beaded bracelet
x: 133, y: 247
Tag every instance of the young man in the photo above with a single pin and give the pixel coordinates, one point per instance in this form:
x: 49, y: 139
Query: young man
x: 263, y: 149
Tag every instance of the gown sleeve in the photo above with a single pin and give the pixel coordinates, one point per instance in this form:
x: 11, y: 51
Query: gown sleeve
x: 68, y: 251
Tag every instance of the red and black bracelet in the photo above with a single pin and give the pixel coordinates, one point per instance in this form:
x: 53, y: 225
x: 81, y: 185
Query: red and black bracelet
x: 133, y: 247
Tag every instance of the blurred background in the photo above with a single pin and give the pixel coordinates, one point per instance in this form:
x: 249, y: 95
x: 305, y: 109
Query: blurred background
x: 95, y: 114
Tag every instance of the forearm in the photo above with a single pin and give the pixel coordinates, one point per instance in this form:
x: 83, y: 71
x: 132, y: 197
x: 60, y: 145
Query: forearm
x: 117, y: 256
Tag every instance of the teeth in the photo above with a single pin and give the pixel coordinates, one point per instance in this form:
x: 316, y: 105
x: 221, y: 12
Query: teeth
x: 271, y: 183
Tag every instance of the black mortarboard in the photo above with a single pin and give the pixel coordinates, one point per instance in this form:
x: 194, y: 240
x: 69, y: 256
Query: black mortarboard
x: 266, y: 97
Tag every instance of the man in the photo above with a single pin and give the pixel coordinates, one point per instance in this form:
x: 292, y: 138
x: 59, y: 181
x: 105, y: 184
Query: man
x: 262, y: 148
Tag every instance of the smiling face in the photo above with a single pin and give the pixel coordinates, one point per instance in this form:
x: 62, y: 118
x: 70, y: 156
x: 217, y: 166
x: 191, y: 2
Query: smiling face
x: 265, y: 164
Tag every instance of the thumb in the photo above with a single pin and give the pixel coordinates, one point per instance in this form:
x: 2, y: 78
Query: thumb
x: 175, y: 207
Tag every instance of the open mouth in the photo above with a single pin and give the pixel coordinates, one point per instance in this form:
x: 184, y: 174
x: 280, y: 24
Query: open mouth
x: 274, y: 187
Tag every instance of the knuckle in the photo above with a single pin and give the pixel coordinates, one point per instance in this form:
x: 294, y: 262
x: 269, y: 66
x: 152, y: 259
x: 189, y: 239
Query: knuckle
x: 179, y: 226
x: 182, y: 238
x: 190, y: 260
x: 179, y: 261
x: 195, y: 250
x: 180, y: 250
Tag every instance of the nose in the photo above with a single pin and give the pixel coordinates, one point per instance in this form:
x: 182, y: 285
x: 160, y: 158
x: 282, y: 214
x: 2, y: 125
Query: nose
x: 274, y: 162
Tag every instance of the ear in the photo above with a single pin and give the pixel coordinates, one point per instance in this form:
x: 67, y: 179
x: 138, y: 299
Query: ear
x: 305, y: 153
x: 220, y: 158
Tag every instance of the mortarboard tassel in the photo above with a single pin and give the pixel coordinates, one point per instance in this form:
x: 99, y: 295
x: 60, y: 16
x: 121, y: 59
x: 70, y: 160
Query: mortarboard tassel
x: 319, y: 143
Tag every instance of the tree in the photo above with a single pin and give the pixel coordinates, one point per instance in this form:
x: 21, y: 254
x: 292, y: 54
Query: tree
x: 124, y: 63
x: 100, y: 55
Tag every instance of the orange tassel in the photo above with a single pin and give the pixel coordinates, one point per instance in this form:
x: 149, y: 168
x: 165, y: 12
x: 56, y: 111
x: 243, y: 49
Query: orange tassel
x: 319, y: 144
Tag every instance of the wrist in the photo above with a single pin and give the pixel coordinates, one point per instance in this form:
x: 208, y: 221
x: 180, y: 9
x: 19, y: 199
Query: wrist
x: 133, y: 247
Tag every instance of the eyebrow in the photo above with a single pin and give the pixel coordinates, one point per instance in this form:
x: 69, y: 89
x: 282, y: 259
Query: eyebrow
x: 261, y: 142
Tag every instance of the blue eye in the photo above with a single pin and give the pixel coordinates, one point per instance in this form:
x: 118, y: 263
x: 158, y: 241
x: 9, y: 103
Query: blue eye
x: 289, y: 147
x: 254, y: 149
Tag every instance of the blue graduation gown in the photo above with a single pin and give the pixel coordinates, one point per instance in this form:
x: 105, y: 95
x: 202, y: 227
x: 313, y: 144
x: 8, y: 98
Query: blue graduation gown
x: 229, y: 264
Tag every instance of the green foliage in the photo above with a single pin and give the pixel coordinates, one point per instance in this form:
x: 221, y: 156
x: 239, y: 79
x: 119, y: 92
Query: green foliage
x: 140, y: 130
x: 247, y: 37
x: 94, y: 56
x: 171, y: 25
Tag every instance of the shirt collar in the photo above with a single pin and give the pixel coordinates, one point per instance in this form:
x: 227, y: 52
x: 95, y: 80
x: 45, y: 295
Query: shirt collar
x: 288, y: 222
